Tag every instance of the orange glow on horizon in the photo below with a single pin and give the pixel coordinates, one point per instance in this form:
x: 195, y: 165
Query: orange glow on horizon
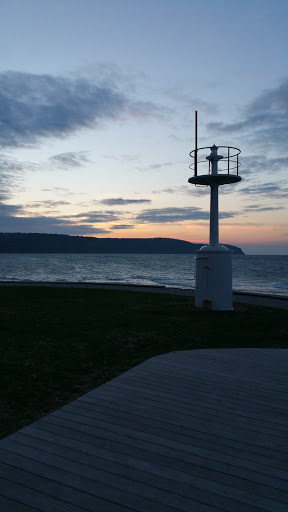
x: 235, y: 234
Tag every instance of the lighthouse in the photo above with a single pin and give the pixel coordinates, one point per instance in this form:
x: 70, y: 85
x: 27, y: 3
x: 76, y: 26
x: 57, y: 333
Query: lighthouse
x: 213, y: 289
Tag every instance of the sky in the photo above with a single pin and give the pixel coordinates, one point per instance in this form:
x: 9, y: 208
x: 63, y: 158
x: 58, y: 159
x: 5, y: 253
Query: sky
x: 97, y: 102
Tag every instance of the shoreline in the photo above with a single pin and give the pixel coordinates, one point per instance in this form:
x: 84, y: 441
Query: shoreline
x: 274, y: 301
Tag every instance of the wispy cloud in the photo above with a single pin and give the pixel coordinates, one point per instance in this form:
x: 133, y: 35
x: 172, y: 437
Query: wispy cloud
x: 124, y: 158
x: 168, y: 190
x: 187, y: 100
x: 121, y: 201
x: 265, y: 119
x: 12, y: 220
x: 33, y: 107
x: 169, y: 215
x: 183, y: 190
x: 259, y: 208
x: 97, y: 216
x: 62, y: 191
x: 261, y: 163
x: 270, y: 189
x: 122, y: 226
x: 154, y: 167
x: 9, y: 210
x: 11, y: 173
x: 45, y: 204
x: 176, y: 139
x: 36, y: 106
x: 70, y: 159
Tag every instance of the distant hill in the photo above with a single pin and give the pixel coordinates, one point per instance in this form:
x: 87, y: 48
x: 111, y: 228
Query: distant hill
x: 43, y: 243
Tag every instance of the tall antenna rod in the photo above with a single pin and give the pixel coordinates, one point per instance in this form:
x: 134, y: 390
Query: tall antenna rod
x: 195, y: 168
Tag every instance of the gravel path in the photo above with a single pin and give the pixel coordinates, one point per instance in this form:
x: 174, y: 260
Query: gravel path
x: 272, y: 301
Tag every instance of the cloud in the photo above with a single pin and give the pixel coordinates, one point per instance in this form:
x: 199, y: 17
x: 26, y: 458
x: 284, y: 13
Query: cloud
x: 96, y: 216
x: 46, y: 204
x: 265, y: 118
x: 70, y: 159
x: 62, y: 191
x: 11, y: 173
x: 33, y: 106
x: 147, y: 109
x: 124, y: 158
x: 175, y: 138
x: 183, y: 190
x: 190, y: 103
x: 12, y: 220
x: 167, y: 215
x: 122, y: 226
x: 8, y: 210
x: 13, y: 167
x: 121, y: 201
x: 270, y: 189
x: 259, y: 208
x: 154, y: 167
x: 13, y: 224
x: 260, y: 163
x: 46, y: 225
x: 169, y: 190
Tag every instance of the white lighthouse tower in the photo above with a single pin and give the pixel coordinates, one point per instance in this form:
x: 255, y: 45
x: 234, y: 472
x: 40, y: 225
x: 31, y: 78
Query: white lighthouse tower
x: 213, y: 288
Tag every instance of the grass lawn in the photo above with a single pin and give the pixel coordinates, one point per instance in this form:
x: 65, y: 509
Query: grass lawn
x: 59, y: 343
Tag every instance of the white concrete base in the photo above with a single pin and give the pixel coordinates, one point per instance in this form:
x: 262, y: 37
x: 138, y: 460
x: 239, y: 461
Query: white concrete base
x: 213, y: 288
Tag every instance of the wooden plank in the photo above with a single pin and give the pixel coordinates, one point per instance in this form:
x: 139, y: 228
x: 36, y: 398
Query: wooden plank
x: 215, y: 365
x: 218, y: 389
x: 197, y: 430
x: 240, y: 372
x: 243, y: 365
x: 212, y: 373
x: 189, y: 374
x: 124, y: 470
x: 245, y: 409
x: 134, y: 494
x: 194, y: 430
x: 258, y: 425
x: 158, y: 482
x: 248, y: 498
x: 214, y: 471
x: 90, y: 483
x: 207, y: 369
x: 31, y: 497
x: 173, y: 449
x: 243, y: 358
x: 205, y: 441
x: 164, y: 370
x: 208, y: 406
x: 167, y: 438
x: 232, y: 354
x: 214, y: 426
x: 10, y: 505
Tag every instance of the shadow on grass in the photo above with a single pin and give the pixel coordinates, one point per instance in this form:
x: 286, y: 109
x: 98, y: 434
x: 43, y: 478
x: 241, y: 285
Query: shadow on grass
x: 59, y: 343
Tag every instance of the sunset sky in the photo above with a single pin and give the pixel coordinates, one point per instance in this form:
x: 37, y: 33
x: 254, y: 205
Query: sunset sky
x: 97, y: 101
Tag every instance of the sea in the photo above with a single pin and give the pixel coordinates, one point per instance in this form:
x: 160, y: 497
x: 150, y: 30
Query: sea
x: 256, y: 274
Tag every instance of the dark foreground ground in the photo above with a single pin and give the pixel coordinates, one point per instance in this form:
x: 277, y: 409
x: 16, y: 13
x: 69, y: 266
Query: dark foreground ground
x: 58, y: 343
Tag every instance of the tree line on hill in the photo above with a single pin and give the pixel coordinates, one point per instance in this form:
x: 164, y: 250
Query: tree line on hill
x: 46, y: 243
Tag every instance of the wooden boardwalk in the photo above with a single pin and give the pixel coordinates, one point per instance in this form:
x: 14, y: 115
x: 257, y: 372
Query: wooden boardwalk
x: 202, y: 430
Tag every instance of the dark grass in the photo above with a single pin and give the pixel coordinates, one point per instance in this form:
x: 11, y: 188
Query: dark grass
x: 59, y: 343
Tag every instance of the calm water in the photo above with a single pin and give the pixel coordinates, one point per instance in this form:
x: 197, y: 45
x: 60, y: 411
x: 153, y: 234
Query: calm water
x: 262, y: 274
